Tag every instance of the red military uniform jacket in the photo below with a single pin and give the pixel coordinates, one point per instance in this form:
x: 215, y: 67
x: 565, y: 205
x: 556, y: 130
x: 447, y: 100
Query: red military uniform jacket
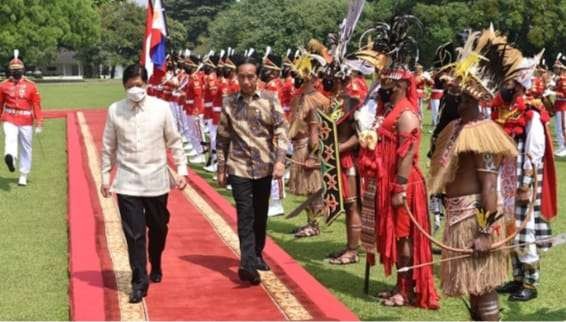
x: 20, y: 103
x: 275, y: 85
x: 560, y: 104
x: 193, y: 90
x: 223, y: 86
x: 233, y: 86
x: 538, y: 87
x: 210, y: 93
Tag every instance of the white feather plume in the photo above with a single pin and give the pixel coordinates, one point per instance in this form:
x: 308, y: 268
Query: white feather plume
x: 16, y: 53
x: 267, y: 52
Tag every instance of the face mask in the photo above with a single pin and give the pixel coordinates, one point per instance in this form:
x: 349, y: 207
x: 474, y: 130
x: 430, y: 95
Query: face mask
x: 298, y: 82
x: 136, y: 94
x: 17, y: 74
x: 328, y: 84
x: 385, y: 94
x: 507, y: 94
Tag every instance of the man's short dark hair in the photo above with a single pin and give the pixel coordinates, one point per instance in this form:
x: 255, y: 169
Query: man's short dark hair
x: 249, y: 61
x: 134, y: 71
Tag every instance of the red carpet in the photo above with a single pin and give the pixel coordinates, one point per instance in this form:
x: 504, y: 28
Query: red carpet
x: 200, y: 270
x: 86, y: 282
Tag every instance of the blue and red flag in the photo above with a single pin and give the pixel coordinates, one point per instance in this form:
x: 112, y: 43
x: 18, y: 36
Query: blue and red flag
x: 154, y: 55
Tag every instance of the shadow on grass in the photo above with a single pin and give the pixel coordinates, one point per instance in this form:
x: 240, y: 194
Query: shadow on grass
x: 7, y: 183
x: 516, y: 313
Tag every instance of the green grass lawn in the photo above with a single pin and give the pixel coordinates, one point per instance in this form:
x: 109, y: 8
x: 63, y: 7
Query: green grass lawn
x: 34, y: 234
x: 89, y: 94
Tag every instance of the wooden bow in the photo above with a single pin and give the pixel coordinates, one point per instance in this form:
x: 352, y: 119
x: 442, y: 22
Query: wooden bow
x: 493, y: 246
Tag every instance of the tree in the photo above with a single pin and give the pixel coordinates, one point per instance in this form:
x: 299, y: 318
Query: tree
x: 279, y: 24
x: 196, y: 16
x: 177, y: 35
x: 39, y: 28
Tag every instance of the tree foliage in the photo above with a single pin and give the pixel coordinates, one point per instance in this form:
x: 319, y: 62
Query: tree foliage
x: 39, y: 28
x: 279, y: 24
x: 530, y: 24
x: 196, y: 16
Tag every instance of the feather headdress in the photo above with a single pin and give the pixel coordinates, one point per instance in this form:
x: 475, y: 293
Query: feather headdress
x: 484, y: 63
x: 392, y: 45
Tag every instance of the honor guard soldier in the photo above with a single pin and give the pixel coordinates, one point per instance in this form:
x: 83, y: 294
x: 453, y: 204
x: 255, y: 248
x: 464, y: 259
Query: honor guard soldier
x: 20, y: 110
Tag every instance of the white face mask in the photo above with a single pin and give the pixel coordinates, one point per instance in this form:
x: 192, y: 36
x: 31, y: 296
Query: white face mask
x: 136, y: 94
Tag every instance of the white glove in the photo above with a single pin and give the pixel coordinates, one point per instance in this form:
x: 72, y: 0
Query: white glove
x: 38, y: 130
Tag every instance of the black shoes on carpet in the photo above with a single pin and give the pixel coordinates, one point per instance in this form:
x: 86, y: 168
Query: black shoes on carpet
x: 156, y: 276
x: 251, y: 276
x: 262, y: 265
x: 138, y: 295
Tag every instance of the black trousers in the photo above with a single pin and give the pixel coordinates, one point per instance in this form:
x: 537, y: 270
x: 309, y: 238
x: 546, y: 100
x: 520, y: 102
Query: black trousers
x: 252, y: 204
x: 138, y: 213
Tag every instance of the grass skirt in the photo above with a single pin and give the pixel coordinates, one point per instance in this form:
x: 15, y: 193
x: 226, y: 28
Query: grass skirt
x: 303, y: 181
x: 472, y: 275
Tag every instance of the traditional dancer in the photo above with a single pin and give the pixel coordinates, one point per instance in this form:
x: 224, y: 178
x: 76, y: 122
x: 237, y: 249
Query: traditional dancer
x: 395, y: 196
x: 464, y: 167
x: 20, y: 110
x: 526, y: 121
x: 305, y: 178
x: 347, y: 96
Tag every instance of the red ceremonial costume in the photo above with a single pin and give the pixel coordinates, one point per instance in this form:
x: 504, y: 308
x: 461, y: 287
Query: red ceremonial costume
x: 392, y: 224
x: 357, y: 88
x: 287, y: 93
x: 20, y: 103
x: 538, y: 87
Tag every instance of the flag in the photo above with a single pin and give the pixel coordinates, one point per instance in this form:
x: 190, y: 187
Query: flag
x: 155, y: 41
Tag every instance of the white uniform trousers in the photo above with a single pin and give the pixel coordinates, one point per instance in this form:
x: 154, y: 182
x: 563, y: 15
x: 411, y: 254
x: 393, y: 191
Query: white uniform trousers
x: 19, y: 138
x: 559, y: 129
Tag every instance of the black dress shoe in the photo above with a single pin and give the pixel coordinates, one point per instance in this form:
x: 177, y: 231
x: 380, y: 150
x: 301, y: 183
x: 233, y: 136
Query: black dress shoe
x: 137, y: 295
x: 524, y: 294
x: 262, y: 265
x: 249, y: 276
x: 156, y: 276
x: 9, y: 159
x: 510, y: 287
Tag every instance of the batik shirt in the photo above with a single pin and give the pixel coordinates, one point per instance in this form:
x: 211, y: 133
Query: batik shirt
x: 252, y: 135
